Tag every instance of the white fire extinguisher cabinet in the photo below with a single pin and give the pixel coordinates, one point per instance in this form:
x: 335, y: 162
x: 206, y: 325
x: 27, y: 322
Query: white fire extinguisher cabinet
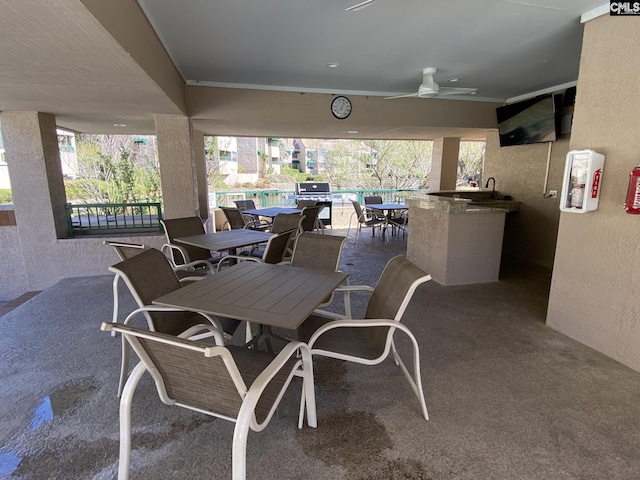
x: 582, y: 181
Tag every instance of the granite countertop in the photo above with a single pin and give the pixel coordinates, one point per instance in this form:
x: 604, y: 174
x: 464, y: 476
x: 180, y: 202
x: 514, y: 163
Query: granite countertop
x: 456, y: 204
x: 451, y: 205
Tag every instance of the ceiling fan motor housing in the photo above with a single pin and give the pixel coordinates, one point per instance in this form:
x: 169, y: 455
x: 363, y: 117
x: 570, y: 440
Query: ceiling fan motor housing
x: 428, y: 91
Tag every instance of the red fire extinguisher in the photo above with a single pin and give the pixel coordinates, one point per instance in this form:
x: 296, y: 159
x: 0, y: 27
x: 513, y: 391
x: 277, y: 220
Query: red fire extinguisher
x: 632, y: 205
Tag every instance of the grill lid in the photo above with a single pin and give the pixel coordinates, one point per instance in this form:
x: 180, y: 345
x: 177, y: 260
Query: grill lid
x: 313, y: 188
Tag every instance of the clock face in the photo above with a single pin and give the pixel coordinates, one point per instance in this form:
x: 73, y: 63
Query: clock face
x: 341, y: 107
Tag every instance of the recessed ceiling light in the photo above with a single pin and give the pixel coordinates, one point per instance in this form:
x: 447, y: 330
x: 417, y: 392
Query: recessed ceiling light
x: 119, y: 124
x: 359, y: 6
x: 332, y: 65
x: 352, y: 132
x: 472, y: 93
x: 453, y: 80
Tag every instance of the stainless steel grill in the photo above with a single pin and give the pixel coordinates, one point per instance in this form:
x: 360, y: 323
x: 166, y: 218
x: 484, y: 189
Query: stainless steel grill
x: 320, y: 192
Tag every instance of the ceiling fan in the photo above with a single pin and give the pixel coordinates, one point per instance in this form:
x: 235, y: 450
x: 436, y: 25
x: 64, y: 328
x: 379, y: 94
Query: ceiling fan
x: 431, y: 89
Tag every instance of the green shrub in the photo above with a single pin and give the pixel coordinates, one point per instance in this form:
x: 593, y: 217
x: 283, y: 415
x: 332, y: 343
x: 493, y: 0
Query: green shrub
x: 6, y: 197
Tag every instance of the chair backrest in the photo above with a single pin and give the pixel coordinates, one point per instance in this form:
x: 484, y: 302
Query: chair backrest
x: 276, y: 247
x: 301, y: 203
x: 185, y: 227
x: 321, y: 252
x: 243, y: 205
x: 394, y: 289
x: 197, y: 375
x: 126, y: 250
x: 311, y: 216
x: 358, y: 208
x: 373, y: 199
x: 286, y: 221
x: 192, y: 374
x: 235, y: 218
x: 149, y: 275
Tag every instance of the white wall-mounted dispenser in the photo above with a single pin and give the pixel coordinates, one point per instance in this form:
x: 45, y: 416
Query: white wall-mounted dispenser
x: 582, y: 181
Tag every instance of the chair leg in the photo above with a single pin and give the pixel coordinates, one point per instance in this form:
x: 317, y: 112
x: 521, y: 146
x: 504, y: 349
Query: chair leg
x: 239, y: 447
x: 248, y: 336
x: 308, y: 395
x: 416, y: 383
x: 116, y: 303
x: 125, y: 421
x: 124, y: 366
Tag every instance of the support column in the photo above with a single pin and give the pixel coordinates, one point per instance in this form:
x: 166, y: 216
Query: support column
x: 444, y: 165
x: 177, y: 166
x: 37, y: 185
x: 197, y: 146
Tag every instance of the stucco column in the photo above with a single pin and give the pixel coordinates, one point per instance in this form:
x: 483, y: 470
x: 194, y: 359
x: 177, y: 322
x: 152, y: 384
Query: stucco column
x: 444, y: 164
x: 37, y: 185
x: 177, y: 166
x: 200, y: 166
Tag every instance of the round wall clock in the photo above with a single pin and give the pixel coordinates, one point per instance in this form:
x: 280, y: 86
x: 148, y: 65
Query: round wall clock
x: 341, y: 107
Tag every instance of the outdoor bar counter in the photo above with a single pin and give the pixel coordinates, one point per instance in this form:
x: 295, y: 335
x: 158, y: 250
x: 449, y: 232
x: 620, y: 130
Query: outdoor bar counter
x: 455, y: 241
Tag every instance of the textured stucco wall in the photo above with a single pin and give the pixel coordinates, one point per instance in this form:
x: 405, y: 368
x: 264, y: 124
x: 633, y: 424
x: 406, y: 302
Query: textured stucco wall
x: 13, y: 281
x: 71, y: 257
x: 520, y: 172
x: 444, y: 167
x: 177, y: 168
x: 456, y: 248
x: 247, y: 155
x: 596, y: 277
x: 126, y: 22
x: 34, y: 257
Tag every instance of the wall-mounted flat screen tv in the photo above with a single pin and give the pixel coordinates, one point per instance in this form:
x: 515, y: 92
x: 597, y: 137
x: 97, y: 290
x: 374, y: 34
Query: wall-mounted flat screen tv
x: 529, y: 121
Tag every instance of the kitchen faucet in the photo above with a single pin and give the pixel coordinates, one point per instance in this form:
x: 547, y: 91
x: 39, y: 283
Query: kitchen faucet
x: 493, y: 189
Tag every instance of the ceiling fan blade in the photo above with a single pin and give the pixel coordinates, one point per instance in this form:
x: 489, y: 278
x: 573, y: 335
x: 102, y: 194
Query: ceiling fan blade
x: 456, y: 91
x: 402, y: 96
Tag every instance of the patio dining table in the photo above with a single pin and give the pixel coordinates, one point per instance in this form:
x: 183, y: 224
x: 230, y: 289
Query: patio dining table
x: 278, y: 296
x: 386, y: 208
x: 272, y: 295
x: 229, y: 240
x: 271, y: 211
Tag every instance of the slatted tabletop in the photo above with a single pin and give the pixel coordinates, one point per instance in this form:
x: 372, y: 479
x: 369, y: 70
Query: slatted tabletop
x: 226, y: 239
x: 271, y: 211
x: 275, y: 295
x: 386, y: 206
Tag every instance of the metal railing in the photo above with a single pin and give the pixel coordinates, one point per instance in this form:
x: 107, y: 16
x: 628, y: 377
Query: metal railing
x: 113, y: 217
x: 143, y: 217
x: 268, y: 198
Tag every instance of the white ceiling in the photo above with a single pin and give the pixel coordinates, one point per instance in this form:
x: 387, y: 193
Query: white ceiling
x: 504, y: 48
x: 77, y: 59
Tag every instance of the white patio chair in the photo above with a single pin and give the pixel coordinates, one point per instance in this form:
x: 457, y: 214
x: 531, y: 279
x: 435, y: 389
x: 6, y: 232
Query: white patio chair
x: 370, y: 340
x: 237, y: 384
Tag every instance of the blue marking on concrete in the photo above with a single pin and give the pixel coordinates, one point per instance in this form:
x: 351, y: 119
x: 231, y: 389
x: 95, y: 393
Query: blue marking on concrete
x: 8, y: 463
x: 42, y: 414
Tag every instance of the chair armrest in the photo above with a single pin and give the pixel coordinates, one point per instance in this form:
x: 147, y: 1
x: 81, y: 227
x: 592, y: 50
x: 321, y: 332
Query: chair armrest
x: 355, y: 288
x: 198, y: 332
x: 238, y: 257
x: 169, y: 250
x: 189, y: 280
x: 359, y: 323
x: 217, y: 332
x: 293, y: 349
x: 346, y: 290
x: 194, y: 264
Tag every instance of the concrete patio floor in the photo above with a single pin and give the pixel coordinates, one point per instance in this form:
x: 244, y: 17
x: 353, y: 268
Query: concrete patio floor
x: 508, y: 397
